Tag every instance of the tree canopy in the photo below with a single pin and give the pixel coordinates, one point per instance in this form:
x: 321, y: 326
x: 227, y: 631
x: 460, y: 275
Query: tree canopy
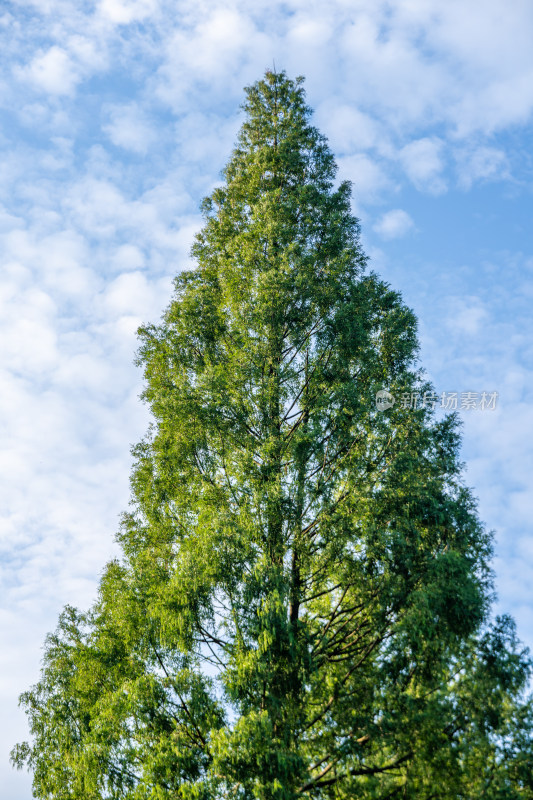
x: 303, y: 603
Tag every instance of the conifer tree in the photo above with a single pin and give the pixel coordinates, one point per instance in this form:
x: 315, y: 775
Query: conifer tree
x: 302, y: 606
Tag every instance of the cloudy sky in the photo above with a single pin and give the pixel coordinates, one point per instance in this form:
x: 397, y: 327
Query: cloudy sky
x: 116, y: 119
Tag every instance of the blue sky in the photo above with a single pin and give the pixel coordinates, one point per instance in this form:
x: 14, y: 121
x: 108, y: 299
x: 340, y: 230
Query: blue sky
x: 116, y: 118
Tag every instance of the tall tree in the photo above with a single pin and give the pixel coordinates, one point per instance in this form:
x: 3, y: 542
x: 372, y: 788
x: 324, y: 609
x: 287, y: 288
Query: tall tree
x: 302, y: 605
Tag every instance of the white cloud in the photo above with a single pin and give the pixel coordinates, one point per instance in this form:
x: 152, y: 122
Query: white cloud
x: 206, y: 139
x: 127, y: 257
x: 131, y: 293
x: 394, y: 224
x: 67, y: 273
x: 481, y: 163
x: 53, y: 71
x: 207, y: 61
x: 423, y: 163
x: 367, y: 175
x: 348, y: 128
x: 129, y: 128
x: 124, y: 12
x: 88, y: 51
x: 467, y: 317
x: 387, y: 70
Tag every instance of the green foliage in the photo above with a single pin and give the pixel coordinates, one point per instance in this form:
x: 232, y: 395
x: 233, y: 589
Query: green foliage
x: 302, y: 605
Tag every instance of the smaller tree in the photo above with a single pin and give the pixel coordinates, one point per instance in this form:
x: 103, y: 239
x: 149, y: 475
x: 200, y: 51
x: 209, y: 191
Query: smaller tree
x: 302, y: 605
